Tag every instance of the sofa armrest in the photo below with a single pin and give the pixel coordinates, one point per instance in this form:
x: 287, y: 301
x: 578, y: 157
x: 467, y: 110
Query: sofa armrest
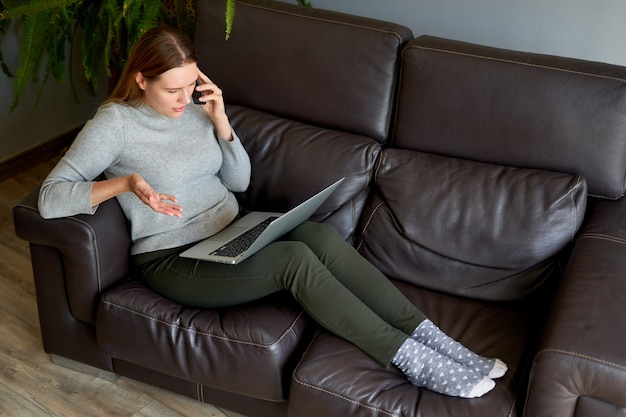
x: 580, y: 367
x: 94, y: 250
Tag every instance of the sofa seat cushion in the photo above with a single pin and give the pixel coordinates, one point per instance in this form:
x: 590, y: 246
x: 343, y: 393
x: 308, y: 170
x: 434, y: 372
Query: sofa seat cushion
x: 247, y: 349
x: 469, y: 228
x: 335, y: 378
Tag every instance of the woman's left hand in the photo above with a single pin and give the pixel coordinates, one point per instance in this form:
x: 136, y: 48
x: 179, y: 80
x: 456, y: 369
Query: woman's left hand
x: 214, y: 107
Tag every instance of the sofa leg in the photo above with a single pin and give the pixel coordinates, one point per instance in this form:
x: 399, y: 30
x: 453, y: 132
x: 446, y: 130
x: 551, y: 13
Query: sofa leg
x: 83, y: 368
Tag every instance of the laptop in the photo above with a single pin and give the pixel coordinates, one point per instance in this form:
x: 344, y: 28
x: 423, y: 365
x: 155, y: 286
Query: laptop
x: 254, y: 231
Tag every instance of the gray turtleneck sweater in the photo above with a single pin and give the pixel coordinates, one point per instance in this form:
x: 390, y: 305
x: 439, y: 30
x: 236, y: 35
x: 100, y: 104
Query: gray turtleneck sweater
x: 182, y: 157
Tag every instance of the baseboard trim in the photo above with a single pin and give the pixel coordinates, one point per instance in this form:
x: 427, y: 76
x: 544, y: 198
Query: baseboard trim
x: 37, y: 154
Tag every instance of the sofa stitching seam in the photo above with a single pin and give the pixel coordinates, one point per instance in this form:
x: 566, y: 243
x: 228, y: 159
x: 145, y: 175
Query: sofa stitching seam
x: 187, y: 329
x: 370, y: 159
x: 343, y: 397
x: 367, y: 223
x: 573, y: 201
x: 299, y: 381
x: 93, y: 239
x: 380, y: 204
x: 582, y: 356
x: 511, y: 61
x: 327, y: 20
x: 602, y: 236
x: 574, y: 189
x: 97, y: 252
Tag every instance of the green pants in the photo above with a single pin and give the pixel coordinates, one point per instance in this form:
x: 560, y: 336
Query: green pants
x: 333, y: 283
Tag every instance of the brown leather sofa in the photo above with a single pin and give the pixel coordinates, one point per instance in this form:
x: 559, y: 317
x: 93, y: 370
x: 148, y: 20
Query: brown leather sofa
x: 485, y: 183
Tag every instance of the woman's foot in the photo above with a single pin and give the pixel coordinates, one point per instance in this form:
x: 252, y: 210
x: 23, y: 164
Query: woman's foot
x: 431, y: 336
x: 429, y: 369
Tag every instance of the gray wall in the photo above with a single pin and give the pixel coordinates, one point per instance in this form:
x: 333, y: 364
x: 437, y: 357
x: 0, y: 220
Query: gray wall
x: 585, y: 29
x: 57, y: 110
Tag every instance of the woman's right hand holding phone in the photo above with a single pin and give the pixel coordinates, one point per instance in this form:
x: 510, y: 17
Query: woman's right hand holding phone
x: 214, y: 105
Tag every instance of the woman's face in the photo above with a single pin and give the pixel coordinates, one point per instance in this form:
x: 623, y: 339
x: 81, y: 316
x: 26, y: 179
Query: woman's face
x: 169, y: 93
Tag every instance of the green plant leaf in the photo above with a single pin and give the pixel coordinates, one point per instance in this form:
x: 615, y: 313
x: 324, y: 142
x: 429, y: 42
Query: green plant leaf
x: 13, y: 9
x: 93, y: 41
x: 145, y: 17
x: 230, y: 17
x: 31, y: 52
x: 150, y: 18
x: 180, y: 14
x: 4, y: 28
x: 60, y: 36
x: 112, y: 13
x: 109, y: 28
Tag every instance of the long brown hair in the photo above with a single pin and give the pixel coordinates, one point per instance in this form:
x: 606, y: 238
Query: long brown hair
x: 158, y: 50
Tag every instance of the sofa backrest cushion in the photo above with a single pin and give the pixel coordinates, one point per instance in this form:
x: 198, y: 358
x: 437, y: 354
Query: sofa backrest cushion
x: 469, y: 228
x: 306, y: 64
x: 291, y: 161
x: 515, y: 108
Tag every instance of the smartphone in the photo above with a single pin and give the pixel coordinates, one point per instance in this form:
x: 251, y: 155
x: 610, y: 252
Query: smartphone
x: 197, y: 94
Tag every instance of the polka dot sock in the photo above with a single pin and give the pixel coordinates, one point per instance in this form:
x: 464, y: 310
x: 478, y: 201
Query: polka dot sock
x: 431, y: 336
x: 428, y: 369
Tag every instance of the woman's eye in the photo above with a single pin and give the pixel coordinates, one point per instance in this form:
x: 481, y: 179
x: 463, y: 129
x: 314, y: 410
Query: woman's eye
x: 172, y: 91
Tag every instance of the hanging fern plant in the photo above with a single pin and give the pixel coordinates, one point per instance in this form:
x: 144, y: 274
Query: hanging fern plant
x: 108, y: 29
x: 47, y: 27
x: 4, y: 28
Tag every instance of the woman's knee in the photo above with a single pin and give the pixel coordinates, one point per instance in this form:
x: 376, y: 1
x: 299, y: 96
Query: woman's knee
x: 290, y: 248
x: 313, y: 230
x: 290, y: 254
x: 297, y: 262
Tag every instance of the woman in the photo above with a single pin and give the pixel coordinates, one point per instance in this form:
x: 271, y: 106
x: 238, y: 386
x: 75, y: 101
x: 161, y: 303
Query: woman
x: 160, y: 154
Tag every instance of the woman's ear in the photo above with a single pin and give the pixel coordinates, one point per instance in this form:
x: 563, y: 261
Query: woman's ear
x: 140, y: 80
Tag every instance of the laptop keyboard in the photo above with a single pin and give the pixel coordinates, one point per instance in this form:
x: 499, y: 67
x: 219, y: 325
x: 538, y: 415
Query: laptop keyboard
x: 242, y: 242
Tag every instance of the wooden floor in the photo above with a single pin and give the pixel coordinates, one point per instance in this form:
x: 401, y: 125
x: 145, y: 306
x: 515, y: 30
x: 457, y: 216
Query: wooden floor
x: 30, y: 384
